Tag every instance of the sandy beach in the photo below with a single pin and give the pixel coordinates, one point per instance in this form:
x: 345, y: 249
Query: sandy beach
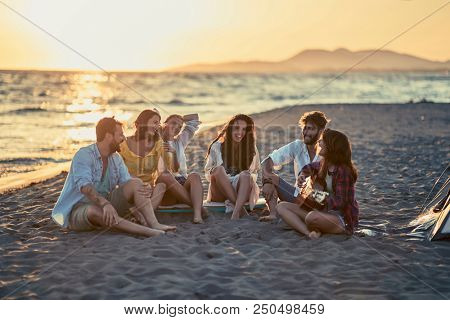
x: 399, y: 150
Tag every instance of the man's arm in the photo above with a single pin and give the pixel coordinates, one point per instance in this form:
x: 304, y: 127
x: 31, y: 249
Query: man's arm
x: 110, y: 216
x: 267, y: 166
x: 275, y: 160
x: 268, y: 175
x: 124, y: 174
x: 269, y: 179
x: 93, y: 196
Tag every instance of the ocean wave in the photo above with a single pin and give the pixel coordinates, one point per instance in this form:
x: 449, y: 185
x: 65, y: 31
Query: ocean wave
x: 125, y: 101
x: 287, y: 97
x: 25, y: 110
x: 27, y: 161
x: 115, y: 100
x: 178, y: 102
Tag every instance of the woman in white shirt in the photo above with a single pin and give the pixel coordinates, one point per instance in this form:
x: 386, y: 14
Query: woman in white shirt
x: 232, y: 166
x: 177, y: 131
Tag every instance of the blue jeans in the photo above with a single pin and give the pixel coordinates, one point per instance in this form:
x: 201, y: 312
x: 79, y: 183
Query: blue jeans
x: 286, y: 191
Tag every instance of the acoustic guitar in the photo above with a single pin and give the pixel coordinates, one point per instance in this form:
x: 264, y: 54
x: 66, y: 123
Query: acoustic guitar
x: 312, y: 195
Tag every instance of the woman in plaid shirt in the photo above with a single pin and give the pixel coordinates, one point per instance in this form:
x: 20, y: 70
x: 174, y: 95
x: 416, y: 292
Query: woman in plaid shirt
x: 337, y: 174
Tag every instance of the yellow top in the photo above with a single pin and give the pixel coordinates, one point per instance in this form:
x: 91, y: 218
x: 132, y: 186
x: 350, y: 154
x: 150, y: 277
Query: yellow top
x: 145, y: 168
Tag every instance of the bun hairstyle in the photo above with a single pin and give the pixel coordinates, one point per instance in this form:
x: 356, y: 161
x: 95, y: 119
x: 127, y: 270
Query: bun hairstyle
x: 174, y: 116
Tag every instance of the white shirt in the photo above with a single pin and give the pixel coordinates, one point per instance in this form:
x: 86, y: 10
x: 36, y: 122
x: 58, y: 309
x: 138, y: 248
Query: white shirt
x: 215, y: 160
x: 180, y: 143
x: 295, y: 151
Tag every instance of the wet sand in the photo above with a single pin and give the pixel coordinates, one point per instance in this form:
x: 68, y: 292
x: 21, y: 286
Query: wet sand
x: 399, y: 150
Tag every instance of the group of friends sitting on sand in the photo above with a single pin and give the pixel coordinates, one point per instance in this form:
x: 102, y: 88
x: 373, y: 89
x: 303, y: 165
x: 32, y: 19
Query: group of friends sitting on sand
x: 120, y: 177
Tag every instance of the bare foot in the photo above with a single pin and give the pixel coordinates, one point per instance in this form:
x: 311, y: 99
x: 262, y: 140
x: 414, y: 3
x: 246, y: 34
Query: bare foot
x: 139, y: 217
x: 234, y: 217
x: 164, y: 227
x: 205, y: 213
x: 197, y: 220
x: 154, y: 233
x: 270, y: 217
x: 313, y: 235
x: 244, y: 212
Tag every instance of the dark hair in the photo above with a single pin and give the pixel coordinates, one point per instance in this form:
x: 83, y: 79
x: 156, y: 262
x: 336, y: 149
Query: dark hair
x: 316, y: 117
x: 174, y: 116
x: 141, y: 124
x: 104, y: 126
x: 247, y: 147
x: 339, y: 152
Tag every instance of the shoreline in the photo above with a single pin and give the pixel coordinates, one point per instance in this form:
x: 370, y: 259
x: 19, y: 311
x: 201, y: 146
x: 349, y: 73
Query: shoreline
x: 25, y: 179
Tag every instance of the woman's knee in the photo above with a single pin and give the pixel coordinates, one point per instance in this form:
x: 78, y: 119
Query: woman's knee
x: 218, y: 171
x: 165, y: 175
x: 312, y: 218
x: 194, y: 177
x: 245, y: 176
x: 166, y: 178
x: 282, y: 209
x: 160, y: 186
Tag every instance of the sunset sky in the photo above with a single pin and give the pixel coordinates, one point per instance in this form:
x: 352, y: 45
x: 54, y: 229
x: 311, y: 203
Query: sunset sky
x: 153, y: 35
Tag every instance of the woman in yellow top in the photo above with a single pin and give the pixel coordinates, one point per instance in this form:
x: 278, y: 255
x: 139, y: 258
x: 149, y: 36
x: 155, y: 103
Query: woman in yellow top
x: 143, y: 153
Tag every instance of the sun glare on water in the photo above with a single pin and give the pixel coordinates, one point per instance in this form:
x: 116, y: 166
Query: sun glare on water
x: 90, y: 105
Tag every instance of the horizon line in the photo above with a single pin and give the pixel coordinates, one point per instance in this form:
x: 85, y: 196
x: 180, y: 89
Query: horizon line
x: 311, y: 49
x: 170, y: 69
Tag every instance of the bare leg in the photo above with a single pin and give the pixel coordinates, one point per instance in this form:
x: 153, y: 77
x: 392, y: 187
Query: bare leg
x: 194, y: 186
x: 143, y: 205
x: 221, y: 182
x: 272, y: 203
x: 322, y: 222
x: 174, y: 189
x: 95, y: 216
x: 216, y: 193
x: 294, y: 216
x: 158, y: 193
x: 243, y: 193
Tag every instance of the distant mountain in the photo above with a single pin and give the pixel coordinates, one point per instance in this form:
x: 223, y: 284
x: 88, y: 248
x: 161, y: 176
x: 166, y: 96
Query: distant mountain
x: 324, y: 60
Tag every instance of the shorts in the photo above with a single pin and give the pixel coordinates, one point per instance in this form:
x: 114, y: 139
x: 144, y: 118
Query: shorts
x: 286, y: 191
x: 78, y: 219
x: 181, y: 180
x: 338, y: 214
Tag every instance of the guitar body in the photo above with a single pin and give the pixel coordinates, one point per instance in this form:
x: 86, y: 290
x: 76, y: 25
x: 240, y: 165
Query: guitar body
x: 312, y: 196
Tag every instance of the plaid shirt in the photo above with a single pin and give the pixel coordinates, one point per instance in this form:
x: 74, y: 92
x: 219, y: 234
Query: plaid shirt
x: 343, y: 197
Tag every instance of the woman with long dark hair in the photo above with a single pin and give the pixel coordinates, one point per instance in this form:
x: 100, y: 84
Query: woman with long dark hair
x: 337, y: 175
x: 143, y: 154
x: 232, y: 166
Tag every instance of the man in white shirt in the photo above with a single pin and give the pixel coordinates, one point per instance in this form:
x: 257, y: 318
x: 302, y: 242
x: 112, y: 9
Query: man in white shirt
x: 301, y: 152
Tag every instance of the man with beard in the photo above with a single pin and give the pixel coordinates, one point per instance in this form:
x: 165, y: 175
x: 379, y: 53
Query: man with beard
x: 99, y: 191
x: 301, y: 152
